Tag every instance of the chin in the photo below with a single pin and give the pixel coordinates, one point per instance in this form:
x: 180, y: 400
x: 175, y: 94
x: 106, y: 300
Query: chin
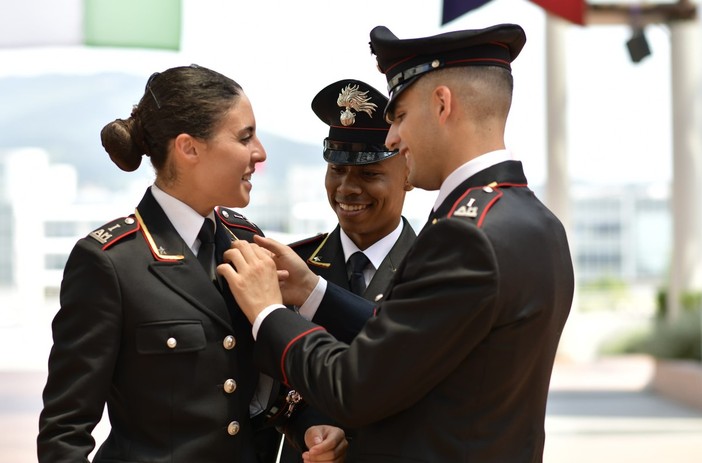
x: 240, y: 200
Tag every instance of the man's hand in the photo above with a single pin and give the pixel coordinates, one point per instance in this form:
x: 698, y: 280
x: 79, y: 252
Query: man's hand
x: 325, y: 444
x: 300, y: 281
x: 252, y: 277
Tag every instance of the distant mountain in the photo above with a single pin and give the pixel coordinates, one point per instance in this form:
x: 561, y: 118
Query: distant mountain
x: 64, y: 115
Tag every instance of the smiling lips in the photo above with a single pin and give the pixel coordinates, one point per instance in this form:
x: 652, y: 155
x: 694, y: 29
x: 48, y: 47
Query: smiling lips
x: 352, y: 207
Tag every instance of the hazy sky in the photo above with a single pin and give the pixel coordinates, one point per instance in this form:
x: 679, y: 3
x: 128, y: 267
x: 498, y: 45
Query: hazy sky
x: 283, y: 52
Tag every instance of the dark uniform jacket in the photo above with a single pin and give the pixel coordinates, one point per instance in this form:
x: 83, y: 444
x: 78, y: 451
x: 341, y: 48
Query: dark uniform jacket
x: 324, y: 255
x: 143, y: 329
x: 456, y: 364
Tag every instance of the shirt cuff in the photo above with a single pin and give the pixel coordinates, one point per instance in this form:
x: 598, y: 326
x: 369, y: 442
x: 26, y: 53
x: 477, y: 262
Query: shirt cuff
x: 309, y: 308
x: 262, y: 316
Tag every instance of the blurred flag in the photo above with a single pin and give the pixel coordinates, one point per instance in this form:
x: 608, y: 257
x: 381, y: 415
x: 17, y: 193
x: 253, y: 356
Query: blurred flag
x: 571, y: 10
x: 455, y: 8
x: 107, y: 23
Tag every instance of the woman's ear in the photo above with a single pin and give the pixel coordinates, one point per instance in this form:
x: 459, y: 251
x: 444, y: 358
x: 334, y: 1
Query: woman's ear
x: 186, y: 148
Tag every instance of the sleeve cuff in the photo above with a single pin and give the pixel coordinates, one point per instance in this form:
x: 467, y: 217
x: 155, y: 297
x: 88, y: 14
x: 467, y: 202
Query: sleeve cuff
x: 309, y: 308
x: 262, y: 316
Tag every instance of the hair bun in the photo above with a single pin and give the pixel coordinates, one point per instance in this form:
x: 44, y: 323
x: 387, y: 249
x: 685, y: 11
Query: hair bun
x: 119, y: 143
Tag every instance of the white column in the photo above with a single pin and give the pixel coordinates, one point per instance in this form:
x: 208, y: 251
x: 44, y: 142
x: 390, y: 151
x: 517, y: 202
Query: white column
x: 557, y: 181
x: 576, y: 342
x: 686, y: 259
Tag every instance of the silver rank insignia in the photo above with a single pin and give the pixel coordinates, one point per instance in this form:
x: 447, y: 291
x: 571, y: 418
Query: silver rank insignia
x: 352, y: 98
x: 101, y: 235
x: 110, y: 232
x: 467, y: 210
x: 476, y: 203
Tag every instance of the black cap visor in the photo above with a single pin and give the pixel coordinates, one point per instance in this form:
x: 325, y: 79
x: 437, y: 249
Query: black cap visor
x: 348, y: 153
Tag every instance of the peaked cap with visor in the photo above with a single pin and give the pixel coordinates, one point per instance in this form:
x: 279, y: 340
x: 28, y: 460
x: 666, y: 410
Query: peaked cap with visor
x: 404, y: 61
x: 353, y: 110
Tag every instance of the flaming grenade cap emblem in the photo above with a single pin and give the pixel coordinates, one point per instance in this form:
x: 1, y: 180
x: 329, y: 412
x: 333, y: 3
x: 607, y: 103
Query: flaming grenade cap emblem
x: 352, y: 98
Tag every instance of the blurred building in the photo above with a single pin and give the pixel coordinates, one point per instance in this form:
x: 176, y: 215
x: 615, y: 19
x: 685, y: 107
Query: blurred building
x: 42, y: 214
x: 621, y: 232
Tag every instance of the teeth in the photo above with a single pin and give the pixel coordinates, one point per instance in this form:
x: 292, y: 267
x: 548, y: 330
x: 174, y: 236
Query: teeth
x: 352, y: 207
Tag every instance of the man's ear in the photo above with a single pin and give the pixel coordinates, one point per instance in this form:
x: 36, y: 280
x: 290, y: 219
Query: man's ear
x: 441, y: 98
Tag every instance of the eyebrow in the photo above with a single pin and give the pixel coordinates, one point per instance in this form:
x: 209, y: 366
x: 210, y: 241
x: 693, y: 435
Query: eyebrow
x: 246, y: 130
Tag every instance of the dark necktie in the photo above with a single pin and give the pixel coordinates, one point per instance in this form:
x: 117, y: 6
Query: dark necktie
x: 358, y: 262
x: 206, y: 252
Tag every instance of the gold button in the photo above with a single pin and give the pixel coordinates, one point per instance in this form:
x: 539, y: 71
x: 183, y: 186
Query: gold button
x: 233, y: 428
x: 229, y: 386
x: 171, y: 343
x: 229, y: 342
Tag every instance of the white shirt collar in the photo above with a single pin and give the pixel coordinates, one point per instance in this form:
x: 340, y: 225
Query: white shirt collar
x: 375, y: 252
x: 184, y: 218
x: 469, y: 169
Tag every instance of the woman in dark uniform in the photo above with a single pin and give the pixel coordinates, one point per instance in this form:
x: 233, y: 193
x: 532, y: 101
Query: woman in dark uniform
x: 143, y: 325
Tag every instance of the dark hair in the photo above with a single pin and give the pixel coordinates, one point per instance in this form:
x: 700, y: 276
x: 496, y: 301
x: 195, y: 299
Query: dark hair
x: 188, y: 99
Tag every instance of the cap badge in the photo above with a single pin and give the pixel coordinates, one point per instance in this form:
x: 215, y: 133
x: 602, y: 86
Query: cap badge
x: 352, y: 98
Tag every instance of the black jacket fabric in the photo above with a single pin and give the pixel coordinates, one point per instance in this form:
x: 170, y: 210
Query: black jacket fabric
x: 142, y: 329
x: 324, y: 254
x: 456, y: 364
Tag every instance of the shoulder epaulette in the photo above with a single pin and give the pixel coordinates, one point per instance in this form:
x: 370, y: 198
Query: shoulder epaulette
x: 475, y: 203
x: 234, y: 219
x: 112, y: 232
x: 308, y: 249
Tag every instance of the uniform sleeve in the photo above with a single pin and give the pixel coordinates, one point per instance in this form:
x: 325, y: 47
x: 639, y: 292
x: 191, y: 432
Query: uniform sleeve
x: 343, y: 321
x: 86, y: 335
x: 439, y: 309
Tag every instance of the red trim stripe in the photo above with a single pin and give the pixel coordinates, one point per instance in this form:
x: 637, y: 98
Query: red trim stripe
x: 487, y: 208
x: 479, y: 60
x: 242, y: 227
x: 514, y: 185
x: 107, y: 245
x: 399, y: 62
x: 287, y: 348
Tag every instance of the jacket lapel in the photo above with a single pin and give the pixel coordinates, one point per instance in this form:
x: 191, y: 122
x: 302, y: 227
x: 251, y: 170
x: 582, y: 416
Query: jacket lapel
x: 182, y: 275
x: 332, y: 253
x: 386, y: 271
